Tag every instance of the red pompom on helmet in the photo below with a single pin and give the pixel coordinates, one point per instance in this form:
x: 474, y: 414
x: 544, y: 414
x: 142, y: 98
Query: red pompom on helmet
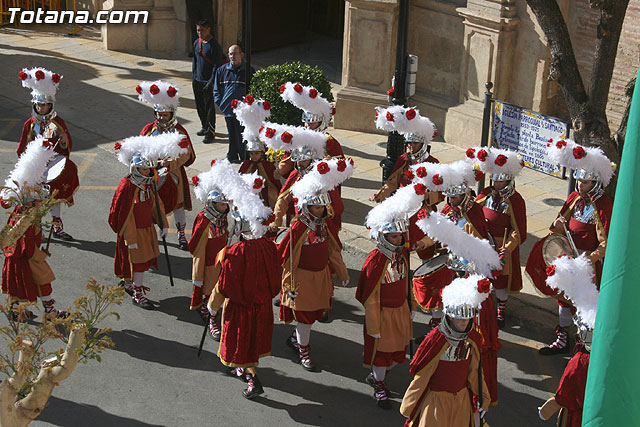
x: 342, y: 165
x: 484, y: 286
x: 421, y: 172
x: 482, y: 155
x: 172, y: 91
x: 195, y: 180
x: 410, y: 114
x: 282, y: 87
x: 313, y: 92
x: 286, y: 137
x: 154, y: 89
x: 55, y: 77
x: 184, y: 143
x: 437, y: 180
x: 471, y: 153
x: 39, y: 75
x: 248, y: 99
x: 551, y: 270
x: 579, y: 152
x: 139, y: 89
x: 323, y: 168
x: 501, y: 160
x: 390, y: 116
x: 422, y: 213
x: 117, y: 146
x: 266, y: 105
x: 420, y: 189
x: 270, y: 132
x: 297, y: 87
x: 23, y: 76
x: 213, y: 162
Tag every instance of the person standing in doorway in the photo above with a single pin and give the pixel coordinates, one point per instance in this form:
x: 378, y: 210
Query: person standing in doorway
x: 231, y: 85
x: 196, y: 11
x: 206, y: 59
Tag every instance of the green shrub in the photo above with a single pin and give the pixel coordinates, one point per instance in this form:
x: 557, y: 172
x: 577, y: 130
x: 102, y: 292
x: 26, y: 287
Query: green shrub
x: 265, y: 84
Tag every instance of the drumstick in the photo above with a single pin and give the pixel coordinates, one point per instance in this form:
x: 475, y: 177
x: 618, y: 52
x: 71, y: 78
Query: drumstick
x: 504, y: 238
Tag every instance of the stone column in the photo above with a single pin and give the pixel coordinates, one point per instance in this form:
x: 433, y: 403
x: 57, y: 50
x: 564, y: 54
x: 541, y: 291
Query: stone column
x: 490, y: 35
x: 229, y: 25
x: 368, y: 62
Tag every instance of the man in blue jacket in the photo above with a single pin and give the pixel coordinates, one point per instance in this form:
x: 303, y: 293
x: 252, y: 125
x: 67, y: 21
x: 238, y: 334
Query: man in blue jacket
x: 230, y: 84
x: 206, y: 59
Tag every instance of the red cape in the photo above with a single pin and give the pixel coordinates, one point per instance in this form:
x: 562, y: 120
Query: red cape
x: 17, y: 278
x: 572, y: 386
x: 29, y: 135
x: 121, y: 204
x: 200, y: 225
x: 333, y: 147
x: 372, y: 270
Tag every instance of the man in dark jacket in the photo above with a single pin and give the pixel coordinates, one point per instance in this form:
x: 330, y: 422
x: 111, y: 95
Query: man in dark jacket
x: 230, y: 84
x: 206, y: 59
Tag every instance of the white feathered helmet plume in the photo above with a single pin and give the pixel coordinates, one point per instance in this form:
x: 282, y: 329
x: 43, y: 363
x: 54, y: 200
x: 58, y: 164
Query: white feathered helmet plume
x: 574, y: 277
x: 152, y: 148
x: 324, y: 176
x: 392, y: 215
x: 307, y: 98
x: 249, y: 211
x: 588, y: 163
x: 500, y: 165
x: 409, y: 123
x: 42, y: 82
x: 24, y: 183
x: 470, y: 253
x: 251, y: 113
x: 464, y: 296
x: 304, y: 144
x: 162, y: 95
x: 451, y: 179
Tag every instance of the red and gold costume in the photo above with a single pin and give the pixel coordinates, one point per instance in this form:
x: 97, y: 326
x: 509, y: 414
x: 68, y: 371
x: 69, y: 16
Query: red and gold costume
x: 508, y: 216
x: 306, y: 256
x: 285, y: 206
x: 67, y: 183
x: 398, y: 178
x: 132, y: 215
x: 383, y: 291
x: 208, y: 239
x: 182, y: 196
x: 589, y: 225
x: 25, y: 272
x: 249, y: 280
x: 442, y: 390
x: 569, y: 397
x: 266, y: 169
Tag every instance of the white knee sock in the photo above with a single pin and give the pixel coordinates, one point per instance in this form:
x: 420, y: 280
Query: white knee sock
x: 393, y: 365
x: 55, y: 210
x: 379, y: 372
x: 179, y: 216
x: 138, y: 278
x: 502, y: 294
x: 303, y: 333
x: 46, y: 297
x: 564, y: 315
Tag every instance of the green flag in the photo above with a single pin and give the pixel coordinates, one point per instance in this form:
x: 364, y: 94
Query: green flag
x: 612, y: 395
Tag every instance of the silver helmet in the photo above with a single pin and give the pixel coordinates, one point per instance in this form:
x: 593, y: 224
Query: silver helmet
x: 460, y: 311
x: 160, y: 108
x: 213, y: 197
x: 386, y: 247
x: 585, y: 175
x: 255, y: 144
x: 322, y: 199
x: 241, y: 227
x: 41, y: 99
x: 138, y: 162
x: 502, y: 177
x: 423, y: 152
x: 459, y: 264
x: 457, y: 190
x: 509, y: 189
x: 316, y: 118
x: 300, y: 154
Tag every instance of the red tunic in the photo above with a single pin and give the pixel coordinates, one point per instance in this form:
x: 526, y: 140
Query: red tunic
x: 570, y: 392
x: 514, y: 220
x: 67, y: 183
x: 584, y: 236
x: 250, y: 279
x: 17, y: 277
x: 266, y: 170
x: 151, y: 129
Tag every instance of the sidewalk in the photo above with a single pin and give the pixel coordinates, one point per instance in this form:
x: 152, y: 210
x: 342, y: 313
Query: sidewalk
x: 104, y: 101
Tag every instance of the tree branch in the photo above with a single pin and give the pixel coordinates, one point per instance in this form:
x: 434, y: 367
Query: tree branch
x: 621, y: 134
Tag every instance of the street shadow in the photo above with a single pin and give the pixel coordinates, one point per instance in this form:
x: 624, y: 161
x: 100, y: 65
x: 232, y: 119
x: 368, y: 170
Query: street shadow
x: 354, y: 211
x: 164, y: 352
x: 360, y: 183
x: 352, y: 152
x: 178, y: 307
x: 61, y: 412
x: 180, y: 267
x: 505, y: 415
x: 528, y: 361
x: 97, y: 247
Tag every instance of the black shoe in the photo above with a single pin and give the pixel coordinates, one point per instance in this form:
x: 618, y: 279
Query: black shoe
x: 61, y: 234
x: 201, y: 132
x: 370, y: 380
x: 145, y: 304
x: 293, y: 345
x: 325, y: 318
x: 128, y: 291
x: 208, y: 138
x: 254, y: 389
x: 501, y: 323
x: 551, y: 351
x: 183, y: 245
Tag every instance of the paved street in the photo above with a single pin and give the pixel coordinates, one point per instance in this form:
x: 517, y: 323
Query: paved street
x: 153, y: 376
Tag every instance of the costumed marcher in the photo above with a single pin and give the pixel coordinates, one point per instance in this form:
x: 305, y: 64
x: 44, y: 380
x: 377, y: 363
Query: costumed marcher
x: 316, y: 115
x: 209, y: 237
x: 418, y: 131
x: 574, y: 277
x: 26, y: 275
x: 305, y: 146
x: 173, y: 185
x: 449, y: 387
x: 384, y: 290
x: 134, y: 209
x: 307, y: 252
x: 62, y: 173
x: 249, y: 279
x: 506, y: 215
x: 251, y: 114
x: 585, y: 215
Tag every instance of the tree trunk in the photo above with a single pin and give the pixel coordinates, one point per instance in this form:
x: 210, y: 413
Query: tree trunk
x: 16, y: 412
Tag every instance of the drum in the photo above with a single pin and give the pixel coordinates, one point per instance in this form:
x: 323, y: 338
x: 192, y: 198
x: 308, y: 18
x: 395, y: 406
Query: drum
x: 61, y: 175
x: 431, y: 265
x: 555, y: 246
x: 280, y: 236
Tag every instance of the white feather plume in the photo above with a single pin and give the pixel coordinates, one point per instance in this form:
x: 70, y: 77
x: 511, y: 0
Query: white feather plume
x: 394, y: 118
x: 303, y: 100
x: 45, y: 87
x: 594, y: 159
x: 251, y: 117
x: 272, y: 135
x: 449, y: 174
x: 222, y: 176
x: 254, y: 181
x: 574, y: 277
x: 153, y: 148
x: 163, y: 97
x: 30, y: 168
x: 400, y: 206
x: 315, y: 183
x: 464, y: 291
x: 513, y: 165
x: 477, y: 251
